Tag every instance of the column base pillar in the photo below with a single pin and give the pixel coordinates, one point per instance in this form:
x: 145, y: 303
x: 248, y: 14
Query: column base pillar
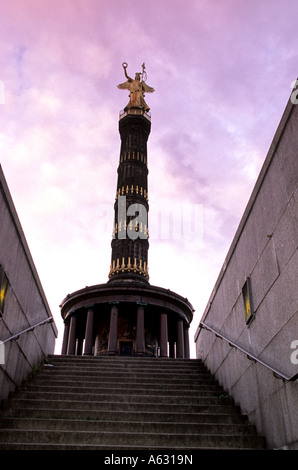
x: 113, y: 336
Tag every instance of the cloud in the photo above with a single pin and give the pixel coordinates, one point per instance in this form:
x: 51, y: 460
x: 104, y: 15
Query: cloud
x: 222, y: 73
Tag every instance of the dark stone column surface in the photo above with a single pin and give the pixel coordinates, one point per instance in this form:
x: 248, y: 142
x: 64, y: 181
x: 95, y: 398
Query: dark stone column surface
x: 113, y: 336
x: 163, y: 335
x: 89, y: 332
x: 140, y: 336
x: 71, y: 348
x: 180, y: 339
x: 65, y: 338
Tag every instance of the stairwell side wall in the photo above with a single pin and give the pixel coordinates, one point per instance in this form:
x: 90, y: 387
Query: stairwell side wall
x: 264, y: 250
x: 22, y: 302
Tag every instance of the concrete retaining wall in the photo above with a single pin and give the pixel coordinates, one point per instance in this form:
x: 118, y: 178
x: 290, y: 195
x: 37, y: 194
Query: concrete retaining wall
x: 25, y: 303
x: 265, y: 250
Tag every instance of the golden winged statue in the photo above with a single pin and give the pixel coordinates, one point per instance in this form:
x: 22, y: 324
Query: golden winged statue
x: 137, y: 88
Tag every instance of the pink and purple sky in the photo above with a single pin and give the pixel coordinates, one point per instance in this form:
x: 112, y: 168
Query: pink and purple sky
x: 222, y: 72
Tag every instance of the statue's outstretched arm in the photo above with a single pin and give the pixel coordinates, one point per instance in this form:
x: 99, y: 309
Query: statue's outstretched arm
x: 124, y: 65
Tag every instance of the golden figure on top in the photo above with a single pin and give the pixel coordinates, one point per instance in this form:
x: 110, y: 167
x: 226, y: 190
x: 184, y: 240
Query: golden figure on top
x: 137, y: 88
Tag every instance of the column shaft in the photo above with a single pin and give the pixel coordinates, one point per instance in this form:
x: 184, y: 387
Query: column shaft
x: 113, y: 336
x: 140, y: 334
x: 65, y: 338
x: 163, y: 335
x: 89, y: 332
x: 186, y: 342
x: 180, y: 339
x: 71, y: 348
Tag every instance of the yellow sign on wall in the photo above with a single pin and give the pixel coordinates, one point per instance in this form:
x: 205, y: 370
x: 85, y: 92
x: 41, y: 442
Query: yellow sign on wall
x: 3, y: 289
x: 247, y: 300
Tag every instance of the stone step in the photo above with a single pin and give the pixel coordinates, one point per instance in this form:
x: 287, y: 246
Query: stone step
x: 120, y: 439
x: 121, y: 371
x: 125, y: 426
x: 214, y: 407
x: 161, y: 451
x: 210, y: 398
x: 182, y: 366
x: 39, y: 384
x: 213, y: 417
x: 103, y: 388
x: 128, y: 360
x: 137, y: 377
x: 126, y: 369
x: 120, y: 403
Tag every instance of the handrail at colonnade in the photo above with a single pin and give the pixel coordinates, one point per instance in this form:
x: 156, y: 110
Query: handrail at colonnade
x: 277, y: 374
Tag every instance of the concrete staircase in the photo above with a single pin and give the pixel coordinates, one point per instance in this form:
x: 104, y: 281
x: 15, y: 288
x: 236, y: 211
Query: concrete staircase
x: 123, y: 403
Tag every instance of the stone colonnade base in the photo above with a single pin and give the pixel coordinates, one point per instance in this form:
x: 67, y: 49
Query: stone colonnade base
x: 167, y: 348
